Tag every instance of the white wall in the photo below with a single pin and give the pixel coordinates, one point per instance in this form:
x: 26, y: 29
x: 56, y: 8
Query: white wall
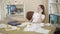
x: 32, y: 4
x: 3, y: 10
x: 0, y: 11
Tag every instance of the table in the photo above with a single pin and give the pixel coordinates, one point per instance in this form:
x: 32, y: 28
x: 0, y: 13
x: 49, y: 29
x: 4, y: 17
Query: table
x: 23, y: 32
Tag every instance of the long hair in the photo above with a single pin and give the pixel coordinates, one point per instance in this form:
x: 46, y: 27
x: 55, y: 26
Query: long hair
x: 42, y: 6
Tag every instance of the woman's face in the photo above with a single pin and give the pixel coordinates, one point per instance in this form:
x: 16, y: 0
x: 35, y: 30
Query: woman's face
x: 39, y: 9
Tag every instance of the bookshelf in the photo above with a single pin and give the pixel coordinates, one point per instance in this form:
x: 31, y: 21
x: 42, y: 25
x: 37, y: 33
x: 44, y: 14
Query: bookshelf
x: 54, y: 7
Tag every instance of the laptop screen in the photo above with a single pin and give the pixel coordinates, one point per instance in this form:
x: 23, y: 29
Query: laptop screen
x: 53, y: 18
x: 58, y: 19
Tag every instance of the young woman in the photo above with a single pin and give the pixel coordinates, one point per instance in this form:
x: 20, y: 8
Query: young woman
x: 39, y: 15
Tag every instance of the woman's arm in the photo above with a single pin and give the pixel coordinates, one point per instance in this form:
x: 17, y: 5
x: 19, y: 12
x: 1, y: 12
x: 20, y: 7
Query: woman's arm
x: 42, y: 18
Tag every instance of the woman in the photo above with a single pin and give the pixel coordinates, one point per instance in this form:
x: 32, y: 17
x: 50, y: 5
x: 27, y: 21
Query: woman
x: 39, y: 15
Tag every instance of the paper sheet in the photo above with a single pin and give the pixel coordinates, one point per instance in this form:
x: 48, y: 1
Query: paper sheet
x: 24, y: 24
x: 12, y: 28
x: 3, y: 26
x: 30, y: 28
x: 42, y: 30
x: 36, y: 28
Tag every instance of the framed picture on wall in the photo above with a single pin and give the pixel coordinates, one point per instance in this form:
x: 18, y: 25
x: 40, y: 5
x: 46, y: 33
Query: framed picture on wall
x: 11, y: 8
x: 16, y: 10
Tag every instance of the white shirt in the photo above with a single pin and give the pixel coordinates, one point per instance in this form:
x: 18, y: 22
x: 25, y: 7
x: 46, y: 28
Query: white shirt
x: 37, y: 17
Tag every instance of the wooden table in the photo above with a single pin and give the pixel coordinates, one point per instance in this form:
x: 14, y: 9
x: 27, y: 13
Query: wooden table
x: 22, y: 32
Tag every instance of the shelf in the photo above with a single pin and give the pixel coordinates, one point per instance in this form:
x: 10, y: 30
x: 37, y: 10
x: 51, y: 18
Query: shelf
x: 54, y: 7
x: 57, y: 14
x: 54, y: 3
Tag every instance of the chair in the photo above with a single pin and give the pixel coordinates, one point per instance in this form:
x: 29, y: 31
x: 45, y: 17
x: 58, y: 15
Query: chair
x: 29, y: 15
